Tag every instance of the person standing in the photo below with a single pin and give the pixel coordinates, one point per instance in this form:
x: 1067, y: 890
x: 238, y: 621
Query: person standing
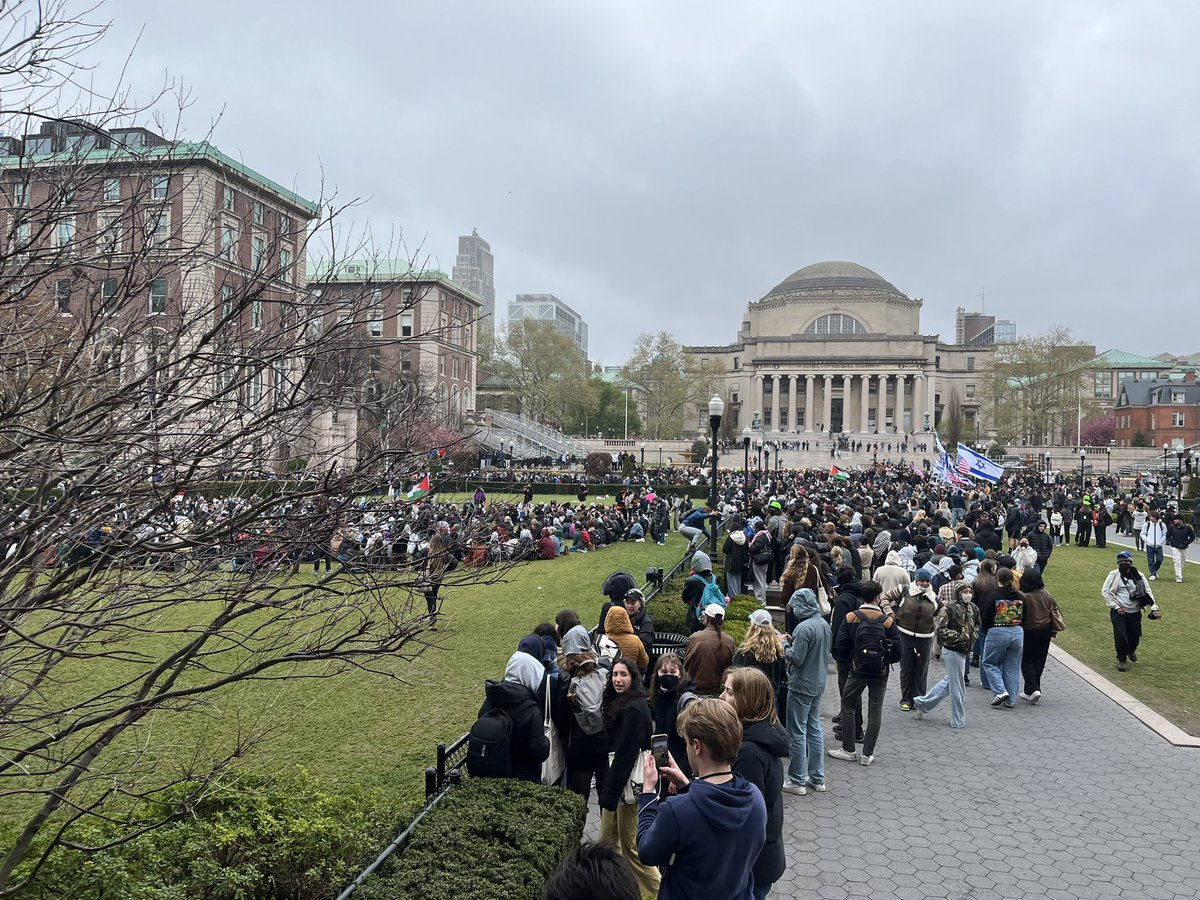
x: 1139, y: 522
x: 627, y: 722
x: 1083, y: 522
x: 1101, y: 520
x: 1043, y: 545
x: 807, y: 658
x: 762, y: 558
x: 709, y: 653
x: 1127, y: 593
x: 1179, y: 538
x: 737, y: 557
x: 1154, y: 535
x: 869, y: 642
x: 1038, y: 622
x: 1002, y: 616
x: 957, y: 626
x: 915, y: 607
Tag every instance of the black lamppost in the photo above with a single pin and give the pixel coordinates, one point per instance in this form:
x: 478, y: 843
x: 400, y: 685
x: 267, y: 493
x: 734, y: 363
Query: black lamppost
x: 716, y: 408
x: 643, y: 454
x: 1179, y: 454
x: 767, y: 458
x: 1108, y: 460
x: 746, y: 456
x: 1082, y: 457
x: 660, y: 456
x: 1047, y: 467
x: 1164, y: 464
x: 759, y: 445
x: 777, y: 449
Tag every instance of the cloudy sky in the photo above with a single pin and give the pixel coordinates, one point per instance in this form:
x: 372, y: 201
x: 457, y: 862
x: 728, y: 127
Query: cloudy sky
x: 660, y: 164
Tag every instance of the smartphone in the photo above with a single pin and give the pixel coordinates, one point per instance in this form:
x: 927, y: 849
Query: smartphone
x: 658, y: 747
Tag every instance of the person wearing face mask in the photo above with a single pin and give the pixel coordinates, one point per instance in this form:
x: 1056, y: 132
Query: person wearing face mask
x: 957, y: 626
x: 1126, y: 592
x: 669, y: 694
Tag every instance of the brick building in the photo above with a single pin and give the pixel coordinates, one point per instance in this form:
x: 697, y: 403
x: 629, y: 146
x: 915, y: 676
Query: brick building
x: 1162, y: 411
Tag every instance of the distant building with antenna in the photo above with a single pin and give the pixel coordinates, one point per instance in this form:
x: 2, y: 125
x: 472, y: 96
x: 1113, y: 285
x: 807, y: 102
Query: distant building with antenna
x: 977, y: 329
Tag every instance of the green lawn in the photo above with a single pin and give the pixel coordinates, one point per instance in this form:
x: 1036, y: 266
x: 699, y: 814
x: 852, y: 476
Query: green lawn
x: 1167, y: 675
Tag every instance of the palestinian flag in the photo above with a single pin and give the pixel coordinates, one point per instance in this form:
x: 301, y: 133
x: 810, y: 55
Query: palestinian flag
x: 835, y: 472
x: 419, y: 490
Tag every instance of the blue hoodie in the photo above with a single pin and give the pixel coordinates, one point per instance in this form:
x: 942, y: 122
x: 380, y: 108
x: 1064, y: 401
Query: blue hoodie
x: 707, y: 837
x: 808, y: 655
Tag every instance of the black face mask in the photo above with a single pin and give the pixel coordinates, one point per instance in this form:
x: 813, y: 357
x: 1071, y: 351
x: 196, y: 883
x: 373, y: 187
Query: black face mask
x: 668, y: 683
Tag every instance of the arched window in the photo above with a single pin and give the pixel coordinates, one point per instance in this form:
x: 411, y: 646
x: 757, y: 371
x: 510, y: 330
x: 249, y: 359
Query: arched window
x: 836, y: 323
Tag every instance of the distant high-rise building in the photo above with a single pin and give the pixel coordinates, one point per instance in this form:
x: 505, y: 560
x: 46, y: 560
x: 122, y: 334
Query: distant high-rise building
x: 548, y: 308
x: 474, y: 270
x: 976, y: 329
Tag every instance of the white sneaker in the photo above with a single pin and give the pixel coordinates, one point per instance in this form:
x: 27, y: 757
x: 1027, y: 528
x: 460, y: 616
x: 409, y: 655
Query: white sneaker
x: 791, y: 787
x: 847, y: 755
x: 1025, y: 697
x: 920, y: 712
x: 864, y: 760
x: 1154, y: 578
x: 819, y: 787
x: 1035, y: 696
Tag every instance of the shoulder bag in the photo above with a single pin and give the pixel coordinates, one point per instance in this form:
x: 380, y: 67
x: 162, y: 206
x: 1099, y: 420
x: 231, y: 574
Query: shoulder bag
x: 631, y: 787
x: 555, y: 765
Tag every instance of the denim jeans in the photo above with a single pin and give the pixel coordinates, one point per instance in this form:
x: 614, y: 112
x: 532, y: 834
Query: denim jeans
x: 733, y: 582
x: 760, y: 582
x: 951, y: 686
x: 1002, y: 659
x: 978, y: 651
x: 1154, y: 558
x: 807, y: 739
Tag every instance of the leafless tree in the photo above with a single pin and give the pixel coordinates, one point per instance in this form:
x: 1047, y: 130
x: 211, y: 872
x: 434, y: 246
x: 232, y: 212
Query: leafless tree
x: 146, y: 354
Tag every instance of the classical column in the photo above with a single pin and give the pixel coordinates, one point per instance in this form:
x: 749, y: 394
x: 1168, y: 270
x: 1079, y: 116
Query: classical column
x: 882, y: 417
x: 794, y: 421
x: 809, y: 400
x: 866, y: 402
x: 826, y: 401
x: 918, y: 403
x: 930, y: 393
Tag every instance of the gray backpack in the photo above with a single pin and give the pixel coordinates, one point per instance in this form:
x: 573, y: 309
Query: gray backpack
x: 587, y: 700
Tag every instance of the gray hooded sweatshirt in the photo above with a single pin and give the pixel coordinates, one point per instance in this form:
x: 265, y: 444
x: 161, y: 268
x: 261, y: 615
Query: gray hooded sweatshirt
x: 808, y: 655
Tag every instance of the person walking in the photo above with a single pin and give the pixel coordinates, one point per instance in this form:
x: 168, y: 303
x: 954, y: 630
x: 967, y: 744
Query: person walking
x: 1179, y: 538
x: 1154, y: 535
x: 807, y: 658
x: 627, y: 722
x: 1002, y: 616
x: 915, y: 607
x: 1038, y: 620
x: 957, y: 626
x: 869, y: 642
x: 1127, y: 594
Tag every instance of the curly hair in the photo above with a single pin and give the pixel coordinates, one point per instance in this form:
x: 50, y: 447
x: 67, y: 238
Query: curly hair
x: 761, y: 643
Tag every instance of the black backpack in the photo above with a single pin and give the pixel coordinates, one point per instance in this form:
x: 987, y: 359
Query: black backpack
x: 489, y: 751
x: 872, y: 649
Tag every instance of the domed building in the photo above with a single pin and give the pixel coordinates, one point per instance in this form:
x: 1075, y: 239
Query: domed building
x: 837, y: 348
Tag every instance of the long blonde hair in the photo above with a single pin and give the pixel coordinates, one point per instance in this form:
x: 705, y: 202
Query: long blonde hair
x: 761, y: 643
x: 753, y: 695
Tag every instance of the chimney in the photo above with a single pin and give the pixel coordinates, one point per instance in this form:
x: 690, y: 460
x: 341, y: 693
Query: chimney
x: 1189, y: 375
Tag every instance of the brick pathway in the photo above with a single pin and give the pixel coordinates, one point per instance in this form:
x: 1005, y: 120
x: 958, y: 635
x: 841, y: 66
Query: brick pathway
x: 1070, y: 800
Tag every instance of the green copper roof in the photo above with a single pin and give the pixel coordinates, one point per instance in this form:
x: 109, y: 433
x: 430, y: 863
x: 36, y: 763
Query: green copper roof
x: 1119, y: 359
x: 359, y: 271
x: 183, y: 152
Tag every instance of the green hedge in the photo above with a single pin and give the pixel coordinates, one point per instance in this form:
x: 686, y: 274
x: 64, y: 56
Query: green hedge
x: 249, y: 838
x: 490, y: 839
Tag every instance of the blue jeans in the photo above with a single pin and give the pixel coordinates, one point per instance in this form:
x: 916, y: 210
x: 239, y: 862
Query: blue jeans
x: 807, y: 738
x: 978, y: 651
x: 952, y: 685
x: 1002, y: 659
x: 1154, y: 558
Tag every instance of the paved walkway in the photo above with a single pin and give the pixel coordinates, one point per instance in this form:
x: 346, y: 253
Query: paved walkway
x: 1072, y: 799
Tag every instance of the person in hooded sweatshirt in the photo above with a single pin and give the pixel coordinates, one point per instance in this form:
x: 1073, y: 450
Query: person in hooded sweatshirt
x: 760, y: 761
x: 586, y: 755
x: 737, y: 557
x: 519, y: 695
x: 892, y: 574
x: 709, y: 834
x: 808, y: 665
x: 618, y: 627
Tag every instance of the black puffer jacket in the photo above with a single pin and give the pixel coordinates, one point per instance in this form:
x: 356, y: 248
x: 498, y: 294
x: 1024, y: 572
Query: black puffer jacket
x: 760, y: 761
x: 530, y: 746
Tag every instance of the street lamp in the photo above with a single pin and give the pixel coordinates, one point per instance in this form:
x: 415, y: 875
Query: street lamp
x: 660, y: 456
x: 777, y: 449
x: 746, y: 456
x: 1047, y: 467
x: 1082, y: 458
x: 767, y: 458
x: 759, y: 445
x: 1179, y: 454
x: 643, y: 454
x: 1108, y: 459
x: 716, y: 408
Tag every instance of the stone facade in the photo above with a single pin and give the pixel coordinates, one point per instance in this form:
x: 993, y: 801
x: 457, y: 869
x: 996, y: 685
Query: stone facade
x: 835, y: 348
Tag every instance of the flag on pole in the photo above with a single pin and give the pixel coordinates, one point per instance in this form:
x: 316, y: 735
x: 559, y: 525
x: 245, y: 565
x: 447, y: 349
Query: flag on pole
x: 419, y: 490
x: 979, y: 466
x: 835, y: 472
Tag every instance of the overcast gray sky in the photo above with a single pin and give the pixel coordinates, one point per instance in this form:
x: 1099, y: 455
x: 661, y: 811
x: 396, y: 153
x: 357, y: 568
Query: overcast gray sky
x: 660, y: 164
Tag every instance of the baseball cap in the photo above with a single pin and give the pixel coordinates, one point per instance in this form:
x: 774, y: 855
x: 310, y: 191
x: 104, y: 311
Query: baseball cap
x: 714, y: 610
x: 1124, y: 554
x: 759, y: 617
x: 634, y: 594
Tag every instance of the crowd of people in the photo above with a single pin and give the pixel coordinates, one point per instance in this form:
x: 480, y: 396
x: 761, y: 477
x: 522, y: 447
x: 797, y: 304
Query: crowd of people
x: 882, y: 571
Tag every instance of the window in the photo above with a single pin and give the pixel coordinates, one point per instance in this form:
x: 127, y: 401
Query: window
x: 1103, y: 384
x: 260, y: 215
x: 110, y: 233
x: 228, y: 242
x: 970, y: 392
x: 285, y: 224
x: 256, y: 314
x: 406, y: 360
x: 442, y: 365
x: 112, y: 189
x: 374, y: 359
x: 62, y: 296
x: 158, y: 187
x: 1177, y: 419
x: 160, y: 231
x: 64, y: 232
x: 223, y: 380
x: 257, y: 246
x: 1149, y: 376
x: 22, y: 235
x: 836, y: 323
x: 970, y: 364
x: 158, y: 296
x: 227, y: 198
x: 375, y: 326
x: 456, y: 369
x: 1125, y: 376
x: 406, y: 325
x: 1177, y: 397
x: 285, y: 264
x: 737, y: 363
x: 257, y: 383
x: 226, y: 302
x: 108, y: 296
x: 20, y: 195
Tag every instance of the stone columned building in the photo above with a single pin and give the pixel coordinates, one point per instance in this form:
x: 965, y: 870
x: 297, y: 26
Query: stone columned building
x: 836, y: 348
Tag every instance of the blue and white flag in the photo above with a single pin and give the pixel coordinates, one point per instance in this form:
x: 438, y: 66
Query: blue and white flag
x: 980, y: 466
